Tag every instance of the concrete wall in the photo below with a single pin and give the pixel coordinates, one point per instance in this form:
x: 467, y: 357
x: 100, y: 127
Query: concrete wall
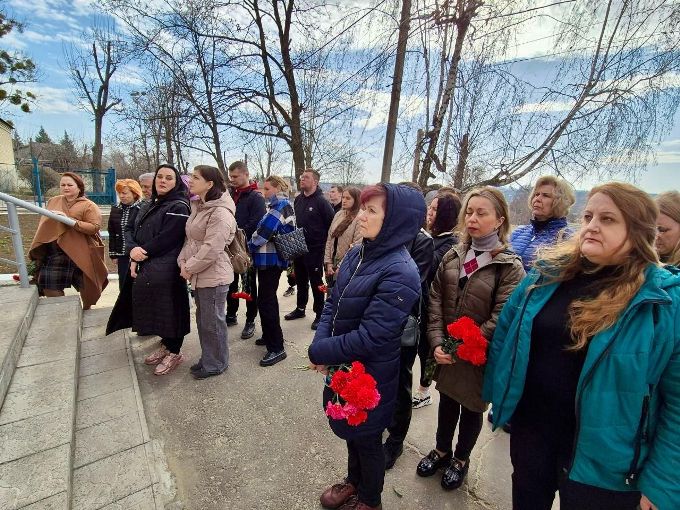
x: 9, y: 178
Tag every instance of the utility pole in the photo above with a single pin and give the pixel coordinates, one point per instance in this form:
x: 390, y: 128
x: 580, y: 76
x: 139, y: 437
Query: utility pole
x: 404, y: 26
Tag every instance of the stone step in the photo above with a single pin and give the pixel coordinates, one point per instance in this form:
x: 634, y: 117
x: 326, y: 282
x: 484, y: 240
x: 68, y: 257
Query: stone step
x: 114, y: 463
x: 18, y: 306
x: 37, y: 418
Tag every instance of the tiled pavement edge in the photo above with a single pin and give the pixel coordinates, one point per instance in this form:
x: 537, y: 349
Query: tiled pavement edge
x: 116, y: 465
x: 38, y: 413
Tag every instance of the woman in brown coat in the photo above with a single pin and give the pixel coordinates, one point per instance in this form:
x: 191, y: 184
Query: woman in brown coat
x: 70, y: 256
x: 205, y: 264
x: 474, y: 279
x: 343, y: 232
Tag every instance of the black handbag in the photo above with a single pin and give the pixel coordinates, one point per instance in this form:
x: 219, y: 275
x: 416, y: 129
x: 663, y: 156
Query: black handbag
x: 411, y: 334
x: 291, y: 245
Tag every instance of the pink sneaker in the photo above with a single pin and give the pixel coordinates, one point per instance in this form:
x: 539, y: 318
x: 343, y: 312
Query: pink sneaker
x: 156, y: 356
x: 169, y: 363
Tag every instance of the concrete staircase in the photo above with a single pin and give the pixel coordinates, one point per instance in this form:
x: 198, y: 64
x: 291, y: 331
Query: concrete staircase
x: 72, y: 428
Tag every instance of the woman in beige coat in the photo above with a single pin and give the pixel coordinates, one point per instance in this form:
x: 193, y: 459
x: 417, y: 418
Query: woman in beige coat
x: 204, y: 263
x: 70, y: 256
x: 474, y: 279
x: 343, y: 232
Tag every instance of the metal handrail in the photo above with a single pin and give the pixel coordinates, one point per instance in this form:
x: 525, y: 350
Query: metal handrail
x: 15, y: 230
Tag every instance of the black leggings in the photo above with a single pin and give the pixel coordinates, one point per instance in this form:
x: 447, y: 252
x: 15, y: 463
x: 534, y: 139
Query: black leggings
x: 174, y: 345
x: 470, y: 426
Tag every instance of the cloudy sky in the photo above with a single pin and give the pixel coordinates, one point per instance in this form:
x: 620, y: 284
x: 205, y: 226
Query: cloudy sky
x: 53, y: 24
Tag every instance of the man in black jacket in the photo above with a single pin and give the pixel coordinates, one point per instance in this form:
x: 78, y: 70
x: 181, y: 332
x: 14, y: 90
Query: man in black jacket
x: 314, y: 214
x: 421, y: 250
x: 249, y: 211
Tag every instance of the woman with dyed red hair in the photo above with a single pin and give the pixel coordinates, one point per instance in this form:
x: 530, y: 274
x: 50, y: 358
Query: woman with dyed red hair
x: 121, y: 216
x: 377, y: 285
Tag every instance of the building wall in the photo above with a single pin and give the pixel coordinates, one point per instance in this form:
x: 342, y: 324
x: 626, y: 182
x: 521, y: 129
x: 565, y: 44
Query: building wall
x: 9, y: 178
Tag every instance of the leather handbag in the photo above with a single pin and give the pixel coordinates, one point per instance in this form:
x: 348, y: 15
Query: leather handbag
x: 411, y: 334
x: 292, y: 244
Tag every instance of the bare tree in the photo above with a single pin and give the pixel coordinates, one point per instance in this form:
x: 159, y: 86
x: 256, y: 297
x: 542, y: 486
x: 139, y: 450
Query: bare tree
x: 91, y: 71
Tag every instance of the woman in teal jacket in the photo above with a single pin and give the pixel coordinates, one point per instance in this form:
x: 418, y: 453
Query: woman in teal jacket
x: 586, y: 361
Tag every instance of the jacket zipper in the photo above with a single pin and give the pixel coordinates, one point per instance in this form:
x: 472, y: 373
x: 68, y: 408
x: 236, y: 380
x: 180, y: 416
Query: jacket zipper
x: 640, y: 436
x: 337, y: 308
x: 587, y: 379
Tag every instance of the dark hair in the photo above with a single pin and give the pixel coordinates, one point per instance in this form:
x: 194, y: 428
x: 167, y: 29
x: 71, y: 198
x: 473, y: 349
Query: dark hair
x: 351, y: 214
x: 78, y: 180
x: 339, y: 188
x: 180, y: 187
x: 317, y: 175
x: 237, y: 165
x: 448, y: 209
x: 212, y: 174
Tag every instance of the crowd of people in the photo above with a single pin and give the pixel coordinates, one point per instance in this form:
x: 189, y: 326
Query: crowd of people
x: 582, y: 322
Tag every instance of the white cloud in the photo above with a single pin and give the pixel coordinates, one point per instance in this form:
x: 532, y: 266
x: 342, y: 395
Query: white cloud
x: 53, y: 100
x: 547, y: 107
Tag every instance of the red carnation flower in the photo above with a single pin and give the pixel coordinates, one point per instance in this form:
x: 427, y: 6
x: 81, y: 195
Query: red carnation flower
x: 358, y: 418
x: 323, y: 288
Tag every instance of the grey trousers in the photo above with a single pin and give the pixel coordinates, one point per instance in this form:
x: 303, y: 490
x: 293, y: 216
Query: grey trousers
x: 212, y: 328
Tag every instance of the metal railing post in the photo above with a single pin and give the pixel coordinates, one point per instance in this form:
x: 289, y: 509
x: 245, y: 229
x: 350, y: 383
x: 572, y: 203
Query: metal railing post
x: 37, y: 188
x: 16, y: 242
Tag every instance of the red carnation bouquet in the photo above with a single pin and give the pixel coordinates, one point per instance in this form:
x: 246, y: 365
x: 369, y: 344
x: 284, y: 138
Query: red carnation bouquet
x: 355, y: 393
x: 465, y: 339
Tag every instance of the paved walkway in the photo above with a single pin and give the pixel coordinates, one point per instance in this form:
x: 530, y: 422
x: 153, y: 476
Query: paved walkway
x: 257, y: 437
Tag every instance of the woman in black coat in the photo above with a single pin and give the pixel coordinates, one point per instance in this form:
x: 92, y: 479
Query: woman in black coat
x: 158, y: 301
x: 377, y: 285
x: 442, y: 217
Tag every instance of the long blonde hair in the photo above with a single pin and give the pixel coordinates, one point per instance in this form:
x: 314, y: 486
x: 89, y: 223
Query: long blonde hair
x: 669, y: 204
x: 588, y: 317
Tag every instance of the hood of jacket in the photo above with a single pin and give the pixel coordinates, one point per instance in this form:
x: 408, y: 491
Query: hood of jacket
x: 405, y: 214
x: 225, y: 201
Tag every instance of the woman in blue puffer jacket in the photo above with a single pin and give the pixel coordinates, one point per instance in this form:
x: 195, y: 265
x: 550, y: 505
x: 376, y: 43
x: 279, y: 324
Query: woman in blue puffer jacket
x: 549, y: 203
x: 376, y: 288
x: 586, y: 361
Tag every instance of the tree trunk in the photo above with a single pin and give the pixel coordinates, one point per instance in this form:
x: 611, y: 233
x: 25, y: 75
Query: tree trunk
x: 459, y: 176
x: 404, y: 26
x: 465, y: 11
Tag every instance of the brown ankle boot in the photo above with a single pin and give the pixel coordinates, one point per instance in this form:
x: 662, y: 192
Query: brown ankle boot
x: 337, y: 495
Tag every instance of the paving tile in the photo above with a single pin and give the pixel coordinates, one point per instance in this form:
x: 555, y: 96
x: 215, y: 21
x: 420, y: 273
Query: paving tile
x: 96, y: 317
x: 39, y: 354
x: 33, y: 401
x: 103, y: 362
x: 102, y: 344
x: 108, y: 438
x: 58, y: 307
x: 104, y: 382
x: 91, y: 332
x: 142, y: 500
x: 111, y: 479
x: 34, y: 478
x: 105, y: 407
x: 41, y: 375
x: 56, y: 502
x: 35, y: 434
x: 53, y: 328
x: 12, y: 294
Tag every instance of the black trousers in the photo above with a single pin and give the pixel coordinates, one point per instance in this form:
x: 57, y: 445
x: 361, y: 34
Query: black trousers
x: 366, y: 467
x: 423, y: 350
x: 539, y: 458
x: 251, y: 306
x: 450, y: 411
x: 268, y: 304
x: 309, y: 271
x: 174, y: 345
x: 403, y: 410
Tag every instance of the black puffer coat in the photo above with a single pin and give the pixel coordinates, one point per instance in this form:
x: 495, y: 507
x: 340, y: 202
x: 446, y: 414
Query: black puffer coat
x: 157, y: 303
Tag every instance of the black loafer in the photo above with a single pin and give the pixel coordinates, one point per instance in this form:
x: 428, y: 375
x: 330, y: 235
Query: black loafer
x: 392, y: 453
x: 231, y: 321
x: 196, y: 367
x: 260, y: 341
x: 295, y: 314
x: 432, y: 462
x: 203, y: 374
x: 248, y: 330
x: 272, y: 358
x: 315, y: 323
x: 454, y: 475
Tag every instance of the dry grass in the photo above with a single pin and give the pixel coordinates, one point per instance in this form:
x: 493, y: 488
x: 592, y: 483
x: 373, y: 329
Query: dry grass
x: 28, y: 224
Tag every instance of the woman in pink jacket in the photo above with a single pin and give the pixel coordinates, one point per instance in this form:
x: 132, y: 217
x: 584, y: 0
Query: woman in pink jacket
x: 204, y: 263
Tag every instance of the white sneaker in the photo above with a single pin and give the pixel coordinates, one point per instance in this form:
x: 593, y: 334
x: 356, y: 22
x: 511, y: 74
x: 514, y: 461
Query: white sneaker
x: 421, y: 400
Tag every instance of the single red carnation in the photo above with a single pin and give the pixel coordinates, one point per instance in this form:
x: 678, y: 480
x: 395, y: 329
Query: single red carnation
x: 323, y: 288
x: 471, y: 353
x: 339, y: 381
x: 16, y: 278
x: 463, y: 328
x: 358, y: 418
x: 358, y: 368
